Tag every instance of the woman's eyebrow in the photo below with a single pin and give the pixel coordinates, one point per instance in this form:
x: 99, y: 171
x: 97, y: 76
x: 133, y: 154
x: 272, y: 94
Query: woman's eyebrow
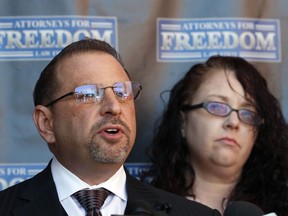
x: 244, y: 103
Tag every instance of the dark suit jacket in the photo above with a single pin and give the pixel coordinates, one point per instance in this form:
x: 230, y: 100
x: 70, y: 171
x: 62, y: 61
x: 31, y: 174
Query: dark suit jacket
x: 38, y: 197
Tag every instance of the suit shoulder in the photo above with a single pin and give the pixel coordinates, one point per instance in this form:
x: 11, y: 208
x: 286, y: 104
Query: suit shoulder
x: 37, y: 181
x: 13, y: 189
x: 182, y: 204
x: 178, y: 204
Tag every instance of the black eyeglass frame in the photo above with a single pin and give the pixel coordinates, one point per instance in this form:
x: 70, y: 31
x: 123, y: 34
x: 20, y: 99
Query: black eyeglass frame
x: 136, y: 96
x: 188, y: 107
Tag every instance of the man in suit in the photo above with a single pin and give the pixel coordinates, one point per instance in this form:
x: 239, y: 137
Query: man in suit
x: 84, y: 110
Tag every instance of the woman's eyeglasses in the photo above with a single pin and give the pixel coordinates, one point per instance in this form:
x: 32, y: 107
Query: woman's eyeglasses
x: 92, y: 93
x: 223, y: 110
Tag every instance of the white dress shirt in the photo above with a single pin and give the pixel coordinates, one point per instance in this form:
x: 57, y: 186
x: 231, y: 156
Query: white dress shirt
x: 67, y: 184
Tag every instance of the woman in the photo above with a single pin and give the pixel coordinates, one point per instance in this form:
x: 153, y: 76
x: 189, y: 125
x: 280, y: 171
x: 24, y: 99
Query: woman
x: 222, y: 138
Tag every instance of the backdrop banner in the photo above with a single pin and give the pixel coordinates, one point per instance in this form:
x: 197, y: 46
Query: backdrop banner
x: 158, y: 41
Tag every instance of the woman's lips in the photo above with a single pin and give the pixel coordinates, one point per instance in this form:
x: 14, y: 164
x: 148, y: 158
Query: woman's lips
x: 228, y: 141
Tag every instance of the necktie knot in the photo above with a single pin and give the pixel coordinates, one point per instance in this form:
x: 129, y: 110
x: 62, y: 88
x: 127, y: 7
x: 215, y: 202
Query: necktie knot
x: 92, y: 200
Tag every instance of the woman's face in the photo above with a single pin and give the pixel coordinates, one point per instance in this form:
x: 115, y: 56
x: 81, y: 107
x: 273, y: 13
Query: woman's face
x: 215, y: 141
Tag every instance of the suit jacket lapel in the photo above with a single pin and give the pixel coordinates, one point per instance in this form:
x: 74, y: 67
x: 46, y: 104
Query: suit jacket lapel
x: 41, y: 197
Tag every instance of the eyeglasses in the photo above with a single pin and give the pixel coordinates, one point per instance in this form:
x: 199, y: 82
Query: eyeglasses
x: 223, y: 110
x: 92, y: 93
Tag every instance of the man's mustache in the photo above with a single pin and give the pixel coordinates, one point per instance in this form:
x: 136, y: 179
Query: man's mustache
x: 111, y: 120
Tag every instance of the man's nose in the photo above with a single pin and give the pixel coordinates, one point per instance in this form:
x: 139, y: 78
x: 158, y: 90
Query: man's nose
x: 110, y: 104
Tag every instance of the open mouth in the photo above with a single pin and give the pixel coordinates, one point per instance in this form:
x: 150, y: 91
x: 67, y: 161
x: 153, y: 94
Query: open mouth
x: 112, y: 131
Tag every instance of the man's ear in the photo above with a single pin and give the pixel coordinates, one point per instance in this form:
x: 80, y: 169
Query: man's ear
x: 43, y: 120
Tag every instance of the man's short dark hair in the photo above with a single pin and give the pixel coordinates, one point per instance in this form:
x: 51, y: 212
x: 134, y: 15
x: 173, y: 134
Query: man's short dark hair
x: 47, y: 84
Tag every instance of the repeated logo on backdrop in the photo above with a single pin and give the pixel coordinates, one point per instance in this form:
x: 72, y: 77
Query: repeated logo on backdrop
x: 197, y: 39
x: 41, y: 38
x: 11, y: 174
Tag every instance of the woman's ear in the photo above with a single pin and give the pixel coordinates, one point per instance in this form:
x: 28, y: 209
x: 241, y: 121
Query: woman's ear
x: 182, y: 124
x: 43, y: 120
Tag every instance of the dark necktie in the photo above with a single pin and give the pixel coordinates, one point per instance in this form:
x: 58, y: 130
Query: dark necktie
x: 92, y: 200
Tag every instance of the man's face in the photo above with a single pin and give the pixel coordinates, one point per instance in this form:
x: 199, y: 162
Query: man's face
x: 102, y: 132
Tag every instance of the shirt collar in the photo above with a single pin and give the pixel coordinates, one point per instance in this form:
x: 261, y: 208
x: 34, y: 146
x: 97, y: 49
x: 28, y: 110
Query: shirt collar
x: 67, y: 183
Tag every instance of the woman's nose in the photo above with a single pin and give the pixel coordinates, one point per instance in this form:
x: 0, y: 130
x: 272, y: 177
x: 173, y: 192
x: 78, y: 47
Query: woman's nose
x: 232, y: 120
